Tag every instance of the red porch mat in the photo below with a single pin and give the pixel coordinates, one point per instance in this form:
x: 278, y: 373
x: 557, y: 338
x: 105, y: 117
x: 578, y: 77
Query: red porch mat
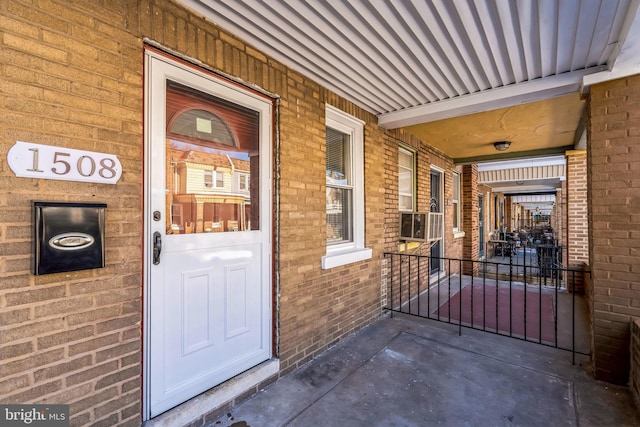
x: 539, y: 311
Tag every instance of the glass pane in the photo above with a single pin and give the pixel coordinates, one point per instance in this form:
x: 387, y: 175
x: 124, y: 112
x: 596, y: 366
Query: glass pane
x: 405, y: 186
x: 211, y: 143
x: 456, y: 186
x: 203, y: 125
x: 406, y: 203
x: 405, y: 180
x: 339, y: 215
x: 456, y: 212
x: 405, y: 159
x: 338, y: 158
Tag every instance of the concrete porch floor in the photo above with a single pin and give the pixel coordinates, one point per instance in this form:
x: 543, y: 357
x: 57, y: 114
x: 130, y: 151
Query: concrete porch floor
x: 406, y: 371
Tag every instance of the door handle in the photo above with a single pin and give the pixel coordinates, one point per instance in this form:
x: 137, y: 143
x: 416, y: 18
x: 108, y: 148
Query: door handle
x: 157, y: 247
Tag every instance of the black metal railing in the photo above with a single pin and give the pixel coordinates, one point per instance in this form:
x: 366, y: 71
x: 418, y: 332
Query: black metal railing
x: 541, y: 305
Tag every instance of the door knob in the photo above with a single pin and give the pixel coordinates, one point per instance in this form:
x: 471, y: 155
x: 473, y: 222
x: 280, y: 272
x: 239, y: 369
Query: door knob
x: 157, y: 247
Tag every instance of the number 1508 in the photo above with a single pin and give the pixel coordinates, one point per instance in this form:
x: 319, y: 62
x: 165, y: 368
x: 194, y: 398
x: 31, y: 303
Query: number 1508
x: 85, y: 165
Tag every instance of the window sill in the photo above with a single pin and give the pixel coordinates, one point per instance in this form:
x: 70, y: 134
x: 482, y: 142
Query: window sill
x: 345, y: 257
x: 458, y: 234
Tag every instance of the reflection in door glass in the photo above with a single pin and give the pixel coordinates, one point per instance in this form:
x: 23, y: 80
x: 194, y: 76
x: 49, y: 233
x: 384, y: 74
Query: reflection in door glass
x: 212, y: 175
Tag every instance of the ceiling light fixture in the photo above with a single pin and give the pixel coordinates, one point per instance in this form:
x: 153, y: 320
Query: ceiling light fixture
x: 502, y: 145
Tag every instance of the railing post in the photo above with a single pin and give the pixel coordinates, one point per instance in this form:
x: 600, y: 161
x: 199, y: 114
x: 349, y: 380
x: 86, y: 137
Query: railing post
x: 438, y: 286
x: 419, y: 293
x: 524, y: 259
x: 573, y: 318
x: 555, y: 312
x: 460, y: 293
x: 511, y: 296
x: 428, y: 289
x: 497, y: 301
x: 409, y: 286
x: 484, y: 295
x: 391, y: 305
x: 449, y: 288
x: 473, y: 268
x: 540, y: 310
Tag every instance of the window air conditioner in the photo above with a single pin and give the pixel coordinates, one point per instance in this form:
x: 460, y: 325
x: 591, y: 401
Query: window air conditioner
x: 421, y: 226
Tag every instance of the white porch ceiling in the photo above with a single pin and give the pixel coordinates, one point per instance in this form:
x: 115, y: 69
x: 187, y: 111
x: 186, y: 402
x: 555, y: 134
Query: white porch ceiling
x: 412, y: 62
x: 523, y: 177
x: 537, y: 203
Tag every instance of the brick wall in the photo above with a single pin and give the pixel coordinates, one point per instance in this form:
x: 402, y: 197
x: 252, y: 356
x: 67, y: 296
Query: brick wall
x: 555, y: 219
x: 427, y: 157
x: 470, y: 217
x: 561, y: 230
x: 577, y: 235
x: 72, y: 76
x: 613, y: 161
x: 318, y: 307
x: 486, y: 192
x: 577, y: 241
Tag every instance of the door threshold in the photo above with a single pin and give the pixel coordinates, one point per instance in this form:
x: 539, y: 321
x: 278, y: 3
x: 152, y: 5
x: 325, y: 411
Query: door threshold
x: 207, y: 405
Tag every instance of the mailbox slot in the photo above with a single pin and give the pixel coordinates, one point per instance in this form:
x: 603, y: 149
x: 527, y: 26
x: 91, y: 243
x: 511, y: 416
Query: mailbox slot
x: 67, y: 236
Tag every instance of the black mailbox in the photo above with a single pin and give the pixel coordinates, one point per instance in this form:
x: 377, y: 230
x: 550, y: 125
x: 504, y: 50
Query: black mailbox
x: 68, y: 236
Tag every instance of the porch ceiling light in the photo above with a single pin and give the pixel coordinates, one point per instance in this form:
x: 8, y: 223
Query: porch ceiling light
x: 502, y: 145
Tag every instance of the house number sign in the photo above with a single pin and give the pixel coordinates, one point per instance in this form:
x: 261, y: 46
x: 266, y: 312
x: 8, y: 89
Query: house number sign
x: 29, y: 160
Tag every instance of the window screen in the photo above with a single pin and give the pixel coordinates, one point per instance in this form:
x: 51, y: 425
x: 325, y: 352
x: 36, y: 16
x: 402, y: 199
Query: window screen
x: 219, y: 179
x: 339, y: 188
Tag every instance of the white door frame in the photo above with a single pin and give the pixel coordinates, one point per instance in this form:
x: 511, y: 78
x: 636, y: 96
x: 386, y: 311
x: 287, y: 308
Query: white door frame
x: 266, y: 213
x: 441, y: 202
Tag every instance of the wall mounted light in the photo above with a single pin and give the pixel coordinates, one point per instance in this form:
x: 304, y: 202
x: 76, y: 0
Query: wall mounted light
x: 502, y: 145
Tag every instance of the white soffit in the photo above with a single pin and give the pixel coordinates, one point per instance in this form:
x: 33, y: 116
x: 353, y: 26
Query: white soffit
x: 523, y: 163
x: 534, y: 198
x: 539, y: 203
x: 547, y: 168
x: 507, y: 96
x: 412, y: 61
x: 522, y: 174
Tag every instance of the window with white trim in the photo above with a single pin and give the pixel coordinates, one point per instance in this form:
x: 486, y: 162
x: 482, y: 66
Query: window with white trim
x: 344, y: 189
x: 219, y: 182
x: 406, y: 180
x: 339, y: 188
x: 213, y: 179
x: 457, y: 220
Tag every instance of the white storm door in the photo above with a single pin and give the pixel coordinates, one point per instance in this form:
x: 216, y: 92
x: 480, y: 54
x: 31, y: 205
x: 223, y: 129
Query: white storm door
x: 208, y: 232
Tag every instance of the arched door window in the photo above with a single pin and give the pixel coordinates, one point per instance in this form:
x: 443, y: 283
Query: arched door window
x: 203, y: 125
